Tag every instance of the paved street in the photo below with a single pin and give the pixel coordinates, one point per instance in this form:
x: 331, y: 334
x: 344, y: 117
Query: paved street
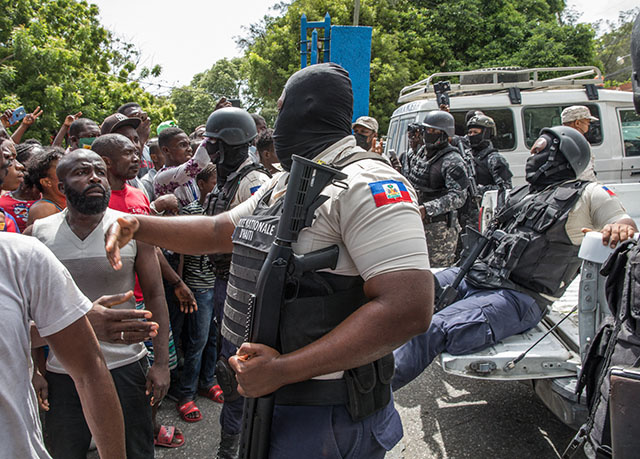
x: 444, y: 417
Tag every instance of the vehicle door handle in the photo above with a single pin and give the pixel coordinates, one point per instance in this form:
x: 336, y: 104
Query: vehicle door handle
x: 635, y: 173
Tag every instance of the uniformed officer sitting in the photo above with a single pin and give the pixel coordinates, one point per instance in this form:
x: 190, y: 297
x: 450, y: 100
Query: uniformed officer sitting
x: 381, y: 285
x: 531, y: 264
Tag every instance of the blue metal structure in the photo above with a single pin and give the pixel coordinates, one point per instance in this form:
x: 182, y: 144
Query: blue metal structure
x: 347, y: 46
x: 311, y: 52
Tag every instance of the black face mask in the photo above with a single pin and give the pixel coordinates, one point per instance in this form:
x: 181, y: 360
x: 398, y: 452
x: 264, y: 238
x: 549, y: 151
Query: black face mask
x: 362, y: 141
x: 548, y: 167
x: 227, y: 158
x: 434, y: 141
x: 88, y: 205
x: 475, y: 140
x: 592, y: 132
x: 316, y: 112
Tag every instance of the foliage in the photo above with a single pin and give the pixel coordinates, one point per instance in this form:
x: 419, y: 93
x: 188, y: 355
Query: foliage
x: 55, y: 54
x: 414, y: 38
x: 196, y: 101
x: 613, y: 46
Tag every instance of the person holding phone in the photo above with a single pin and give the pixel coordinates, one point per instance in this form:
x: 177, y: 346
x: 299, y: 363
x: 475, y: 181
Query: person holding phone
x: 12, y: 117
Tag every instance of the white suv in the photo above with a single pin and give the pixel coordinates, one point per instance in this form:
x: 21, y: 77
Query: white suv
x: 524, y: 101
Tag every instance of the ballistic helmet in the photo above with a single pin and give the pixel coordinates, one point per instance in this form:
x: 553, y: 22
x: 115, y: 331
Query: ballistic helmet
x: 234, y: 126
x: 441, y: 120
x: 573, y: 146
x: 483, y: 121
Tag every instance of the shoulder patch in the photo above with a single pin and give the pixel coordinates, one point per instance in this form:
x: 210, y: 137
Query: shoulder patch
x: 253, y: 189
x: 388, y: 192
x: 609, y: 191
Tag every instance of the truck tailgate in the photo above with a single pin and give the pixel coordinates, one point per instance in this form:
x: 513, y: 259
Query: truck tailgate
x: 548, y: 359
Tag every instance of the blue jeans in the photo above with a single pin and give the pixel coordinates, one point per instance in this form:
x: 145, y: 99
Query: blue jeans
x: 481, y: 318
x: 231, y: 414
x: 199, y: 346
x: 328, y: 431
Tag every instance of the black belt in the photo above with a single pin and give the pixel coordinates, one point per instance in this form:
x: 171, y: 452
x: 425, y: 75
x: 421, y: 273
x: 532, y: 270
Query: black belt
x: 438, y: 218
x: 314, y: 392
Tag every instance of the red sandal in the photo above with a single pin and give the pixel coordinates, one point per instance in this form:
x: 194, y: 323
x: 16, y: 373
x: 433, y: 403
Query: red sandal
x: 214, y: 393
x: 169, y: 437
x: 189, y: 408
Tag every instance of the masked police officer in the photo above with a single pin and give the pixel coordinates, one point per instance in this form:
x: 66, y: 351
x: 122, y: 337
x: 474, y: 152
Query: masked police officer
x: 228, y: 134
x: 529, y: 264
x: 439, y: 174
x: 381, y: 285
x: 490, y: 168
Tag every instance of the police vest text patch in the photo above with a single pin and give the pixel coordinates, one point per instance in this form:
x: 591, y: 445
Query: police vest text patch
x: 388, y: 192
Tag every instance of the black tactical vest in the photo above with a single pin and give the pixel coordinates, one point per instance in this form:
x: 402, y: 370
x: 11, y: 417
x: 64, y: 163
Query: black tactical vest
x: 219, y: 201
x: 318, y: 301
x: 426, y: 174
x: 535, y: 255
x: 481, y: 163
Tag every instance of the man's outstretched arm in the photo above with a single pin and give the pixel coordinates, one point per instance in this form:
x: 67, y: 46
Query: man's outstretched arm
x: 190, y: 235
x: 76, y: 346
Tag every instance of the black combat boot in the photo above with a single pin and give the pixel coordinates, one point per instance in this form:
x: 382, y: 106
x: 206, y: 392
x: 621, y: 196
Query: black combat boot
x: 229, y: 445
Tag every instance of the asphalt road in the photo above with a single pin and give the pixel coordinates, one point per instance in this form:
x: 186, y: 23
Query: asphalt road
x: 444, y: 417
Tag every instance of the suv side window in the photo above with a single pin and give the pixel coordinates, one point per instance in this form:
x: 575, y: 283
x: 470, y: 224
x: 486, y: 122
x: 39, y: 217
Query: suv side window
x: 538, y: 118
x: 506, y: 138
x: 630, y: 125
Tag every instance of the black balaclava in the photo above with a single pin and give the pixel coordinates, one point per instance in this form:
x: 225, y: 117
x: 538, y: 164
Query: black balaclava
x: 227, y: 158
x: 481, y: 140
x: 434, y: 142
x: 548, y: 166
x: 316, y: 112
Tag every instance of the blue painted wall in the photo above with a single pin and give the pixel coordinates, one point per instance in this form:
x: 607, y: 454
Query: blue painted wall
x: 351, y: 48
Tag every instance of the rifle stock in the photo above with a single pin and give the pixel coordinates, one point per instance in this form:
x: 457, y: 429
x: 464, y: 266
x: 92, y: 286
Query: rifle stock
x: 449, y: 293
x: 306, y: 181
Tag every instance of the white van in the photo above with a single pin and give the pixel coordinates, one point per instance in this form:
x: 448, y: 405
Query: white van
x: 524, y: 101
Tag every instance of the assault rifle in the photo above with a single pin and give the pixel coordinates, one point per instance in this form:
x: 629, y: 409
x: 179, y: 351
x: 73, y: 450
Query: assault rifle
x: 306, y: 181
x: 450, y: 292
x: 471, y: 171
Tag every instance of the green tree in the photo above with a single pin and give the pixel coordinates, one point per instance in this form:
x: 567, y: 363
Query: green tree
x: 56, y: 54
x: 613, y: 46
x: 195, y: 102
x: 414, y: 38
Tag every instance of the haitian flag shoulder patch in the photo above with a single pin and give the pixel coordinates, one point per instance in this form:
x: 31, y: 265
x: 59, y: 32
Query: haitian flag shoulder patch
x: 608, y: 190
x: 253, y: 189
x: 388, y: 192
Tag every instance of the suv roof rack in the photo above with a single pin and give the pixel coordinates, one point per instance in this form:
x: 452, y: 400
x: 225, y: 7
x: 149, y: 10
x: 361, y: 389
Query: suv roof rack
x: 501, y: 79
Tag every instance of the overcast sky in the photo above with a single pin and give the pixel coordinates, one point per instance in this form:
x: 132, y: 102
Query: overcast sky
x: 188, y: 36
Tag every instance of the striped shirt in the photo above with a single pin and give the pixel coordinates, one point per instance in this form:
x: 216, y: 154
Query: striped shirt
x: 197, y: 270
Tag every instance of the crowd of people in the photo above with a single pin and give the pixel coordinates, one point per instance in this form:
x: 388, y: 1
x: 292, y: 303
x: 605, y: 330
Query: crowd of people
x: 188, y: 220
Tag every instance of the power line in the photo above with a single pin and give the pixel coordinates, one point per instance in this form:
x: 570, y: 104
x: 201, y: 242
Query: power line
x: 149, y: 83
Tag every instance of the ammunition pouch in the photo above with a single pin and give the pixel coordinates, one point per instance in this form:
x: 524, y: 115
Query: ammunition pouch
x: 369, y: 387
x: 494, y: 270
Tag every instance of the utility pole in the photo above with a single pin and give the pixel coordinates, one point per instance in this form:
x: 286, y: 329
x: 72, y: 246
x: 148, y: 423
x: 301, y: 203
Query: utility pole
x: 356, y: 12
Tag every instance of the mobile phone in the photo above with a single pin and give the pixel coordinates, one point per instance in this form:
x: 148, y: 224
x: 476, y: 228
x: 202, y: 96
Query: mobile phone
x: 235, y: 102
x: 18, y: 114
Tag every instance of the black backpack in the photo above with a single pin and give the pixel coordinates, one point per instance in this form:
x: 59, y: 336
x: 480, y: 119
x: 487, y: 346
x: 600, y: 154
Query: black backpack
x: 617, y: 343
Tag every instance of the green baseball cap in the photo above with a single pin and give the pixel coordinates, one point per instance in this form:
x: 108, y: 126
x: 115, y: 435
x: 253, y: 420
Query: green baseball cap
x: 164, y: 125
